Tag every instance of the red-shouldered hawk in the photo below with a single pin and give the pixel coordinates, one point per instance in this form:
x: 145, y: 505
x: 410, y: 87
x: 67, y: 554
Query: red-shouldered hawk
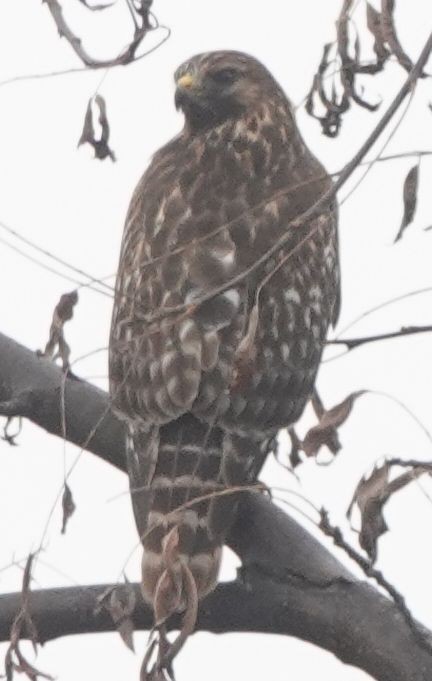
x: 200, y: 416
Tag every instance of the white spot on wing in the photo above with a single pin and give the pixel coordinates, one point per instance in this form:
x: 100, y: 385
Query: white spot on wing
x: 285, y: 350
x: 233, y: 296
x: 292, y: 295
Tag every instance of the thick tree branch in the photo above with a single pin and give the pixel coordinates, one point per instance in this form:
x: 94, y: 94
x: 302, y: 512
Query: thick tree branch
x: 289, y: 583
x: 345, y: 617
x: 30, y: 386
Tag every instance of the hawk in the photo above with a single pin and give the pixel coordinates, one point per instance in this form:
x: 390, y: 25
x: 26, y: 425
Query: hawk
x: 214, y: 347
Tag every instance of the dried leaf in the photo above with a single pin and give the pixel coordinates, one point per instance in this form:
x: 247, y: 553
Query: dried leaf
x: 154, y: 672
x: 325, y: 432
x: 374, y: 25
x: 25, y: 590
x: 296, y: 446
x: 88, y: 135
x: 370, y: 497
x: 96, y: 8
x: 331, y: 121
x: 120, y: 603
x: 68, y: 506
x: 63, y: 312
x: 9, y: 437
x: 390, y: 35
x: 23, y: 666
x: 14, y: 659
x: 142, y: 7
x: 351, y: 65
x: 410, y: 190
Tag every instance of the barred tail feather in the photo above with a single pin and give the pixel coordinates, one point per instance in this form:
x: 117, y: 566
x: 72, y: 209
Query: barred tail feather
x: 169, y: 467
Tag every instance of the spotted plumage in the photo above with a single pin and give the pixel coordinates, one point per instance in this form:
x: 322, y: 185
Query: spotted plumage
x: 204, y: 390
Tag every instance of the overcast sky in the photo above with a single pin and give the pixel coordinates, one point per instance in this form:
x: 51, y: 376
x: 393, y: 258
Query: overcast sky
x: 74, y: 206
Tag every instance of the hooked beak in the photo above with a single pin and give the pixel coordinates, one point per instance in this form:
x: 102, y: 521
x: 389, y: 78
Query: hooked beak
x: 186, y: 81
x: 185, y: 85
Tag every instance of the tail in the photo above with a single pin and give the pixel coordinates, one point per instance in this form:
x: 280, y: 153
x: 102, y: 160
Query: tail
x: 180, y: 475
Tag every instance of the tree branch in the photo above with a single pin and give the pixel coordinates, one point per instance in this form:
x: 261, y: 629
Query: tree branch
x: 351, y: 343
x: 30, y: 386
x: 125, y: 57
x: 288, y: 584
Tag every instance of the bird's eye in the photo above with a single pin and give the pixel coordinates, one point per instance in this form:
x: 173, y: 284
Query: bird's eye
x: 225, y: 76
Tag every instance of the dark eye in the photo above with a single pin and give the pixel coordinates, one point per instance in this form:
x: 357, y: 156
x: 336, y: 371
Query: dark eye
x: 225, y: 76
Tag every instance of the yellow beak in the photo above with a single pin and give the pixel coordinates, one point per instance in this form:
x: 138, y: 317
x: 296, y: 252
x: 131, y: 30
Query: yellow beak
x: 186, y: 81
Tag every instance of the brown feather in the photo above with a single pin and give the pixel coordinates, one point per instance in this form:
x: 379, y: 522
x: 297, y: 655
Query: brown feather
x: 217, y: 197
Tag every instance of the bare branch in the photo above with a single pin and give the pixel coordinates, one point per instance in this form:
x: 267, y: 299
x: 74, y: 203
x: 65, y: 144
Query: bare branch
x: 423, y: 639
x: 289, y: 584
x: 125, y: 57
x: 351, y: 343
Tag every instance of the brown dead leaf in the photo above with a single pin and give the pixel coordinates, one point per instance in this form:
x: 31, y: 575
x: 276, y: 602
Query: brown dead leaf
x: 15, y: 661
x: 296, y: 446
x: 88, y: 135
x: 325, y: 432
x: 56, y: 346
x: 371, y: 495
x: 334, y: 107
x: 390, y: 36
x: 154, y: 672
x: 9, y: 437
x: 374, y: 25
x: 410, y: 189
x: 68, y: 506
x: 97, y: 7
x: 120, y: 602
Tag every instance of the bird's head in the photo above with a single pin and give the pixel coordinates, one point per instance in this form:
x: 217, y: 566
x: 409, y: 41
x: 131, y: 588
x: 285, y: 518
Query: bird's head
x: 216, y: 86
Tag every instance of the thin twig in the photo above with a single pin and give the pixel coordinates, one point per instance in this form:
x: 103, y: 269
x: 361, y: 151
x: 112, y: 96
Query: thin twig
x: 87, y: 69
x: 336, y: 535
x: 351, y: 343
x: 381, y: 306
x: 48, y: 254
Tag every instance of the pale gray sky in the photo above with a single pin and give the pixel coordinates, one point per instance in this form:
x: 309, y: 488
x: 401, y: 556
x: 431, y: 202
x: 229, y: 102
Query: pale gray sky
x: 74, y: 206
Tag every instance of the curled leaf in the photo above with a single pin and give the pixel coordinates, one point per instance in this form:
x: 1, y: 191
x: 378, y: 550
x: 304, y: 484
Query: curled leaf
x: 68, y: 506
x: 63, y: 312
x: 371, y: 495
x: 410, y: 190
x: 97, y: 7
x: 88, y: 135
x: 296, y: 446
x: 374, y: 24
x: 390, y: 35
x: 120, y: 602
x: 23, y: 625
x: 325, y: 432
x: 350, y: 65
x: 9, y: 437
x: 334, y: 108
x: 347, y: 64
